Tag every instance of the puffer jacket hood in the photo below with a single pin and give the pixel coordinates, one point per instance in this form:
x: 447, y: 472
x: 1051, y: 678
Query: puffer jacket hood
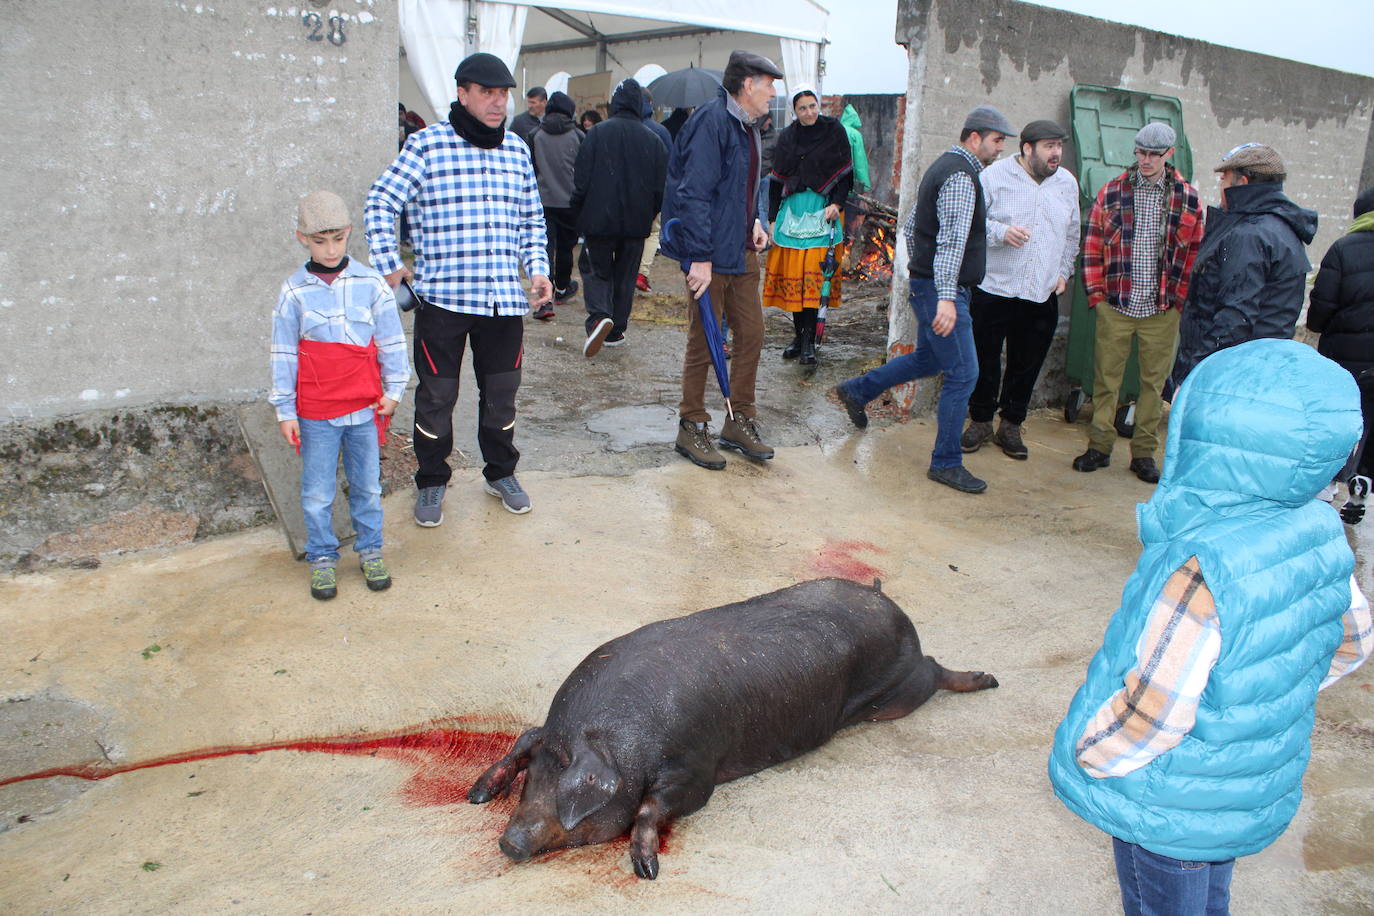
x: 1267, y: 197
x: 1231, y: 453
x: 1365, y: 202
x: 628, y: 97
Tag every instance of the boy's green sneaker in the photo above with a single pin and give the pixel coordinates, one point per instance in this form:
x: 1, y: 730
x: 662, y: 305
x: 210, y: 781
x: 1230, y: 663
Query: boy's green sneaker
x: 324, y: 581
x: 375, y: 572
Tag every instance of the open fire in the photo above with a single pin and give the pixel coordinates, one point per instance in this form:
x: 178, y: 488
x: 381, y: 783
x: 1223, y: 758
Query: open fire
x: 875, y: 241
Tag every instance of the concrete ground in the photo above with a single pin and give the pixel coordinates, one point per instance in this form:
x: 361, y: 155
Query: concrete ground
x: 383, y: 707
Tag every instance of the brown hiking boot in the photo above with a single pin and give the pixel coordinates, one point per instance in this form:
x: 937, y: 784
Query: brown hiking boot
x: 694, y: 444
x: 742, y: 434
x: 975, y: 434
x: 1009, y: 438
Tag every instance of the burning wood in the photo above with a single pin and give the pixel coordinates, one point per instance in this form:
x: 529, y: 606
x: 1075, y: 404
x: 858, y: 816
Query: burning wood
x: 875, y: 241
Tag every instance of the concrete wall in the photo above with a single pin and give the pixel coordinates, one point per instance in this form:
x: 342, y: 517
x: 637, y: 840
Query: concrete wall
x: 154, y: 152
x: 1024, y: 59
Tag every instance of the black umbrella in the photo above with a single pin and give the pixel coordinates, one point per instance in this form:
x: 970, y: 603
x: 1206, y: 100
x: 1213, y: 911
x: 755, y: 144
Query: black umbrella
x: 685, y: 88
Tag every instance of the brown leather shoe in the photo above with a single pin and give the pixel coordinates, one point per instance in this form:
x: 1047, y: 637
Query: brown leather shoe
x: 742, y: 434
x: 694, y: 444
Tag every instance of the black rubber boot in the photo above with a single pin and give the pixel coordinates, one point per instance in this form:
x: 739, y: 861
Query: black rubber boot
x: 793, y: 350
x: 808, y: 347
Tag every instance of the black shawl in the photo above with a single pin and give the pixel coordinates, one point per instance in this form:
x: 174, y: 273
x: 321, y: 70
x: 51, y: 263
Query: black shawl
x: 815, y: 158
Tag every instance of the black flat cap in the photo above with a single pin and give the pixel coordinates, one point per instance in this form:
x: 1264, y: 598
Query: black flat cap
x: 485, y: 70
x: 752, y: 61
x: 1036, y: 131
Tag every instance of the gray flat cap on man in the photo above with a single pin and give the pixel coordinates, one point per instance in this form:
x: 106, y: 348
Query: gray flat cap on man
x: 1155, y: 137
x: 1036, y: 131
x: 1254, y: 157
x: 752, y: 61
x: 485, y: 70
x: 985, y: 119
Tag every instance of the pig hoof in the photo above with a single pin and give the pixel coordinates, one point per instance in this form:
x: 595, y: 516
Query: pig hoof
x: 646, y: 867
x: 479, y: 795
x: 986, y: 681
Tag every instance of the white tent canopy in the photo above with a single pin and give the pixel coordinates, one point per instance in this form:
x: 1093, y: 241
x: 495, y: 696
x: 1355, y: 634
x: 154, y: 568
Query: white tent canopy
x: 616, y: 36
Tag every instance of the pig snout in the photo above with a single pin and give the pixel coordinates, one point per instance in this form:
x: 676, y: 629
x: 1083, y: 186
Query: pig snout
x: 513, y: 851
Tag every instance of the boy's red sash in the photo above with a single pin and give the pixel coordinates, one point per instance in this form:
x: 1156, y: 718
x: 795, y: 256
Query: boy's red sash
x: 335, y: 379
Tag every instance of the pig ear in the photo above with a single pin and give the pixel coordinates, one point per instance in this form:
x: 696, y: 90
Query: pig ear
x: 586, y: 786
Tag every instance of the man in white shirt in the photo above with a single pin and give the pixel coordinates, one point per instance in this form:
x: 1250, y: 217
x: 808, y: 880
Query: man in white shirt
x: 1032, y: 235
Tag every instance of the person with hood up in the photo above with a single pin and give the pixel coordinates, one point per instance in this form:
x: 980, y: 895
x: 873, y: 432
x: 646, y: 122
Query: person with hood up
x: 1342, y: 312
x: 1188, y: 740
x: 813, y: 172
x: 554, y: 142
x: 617, y: 191
x: 1251, y: 270
x: 646, y: 263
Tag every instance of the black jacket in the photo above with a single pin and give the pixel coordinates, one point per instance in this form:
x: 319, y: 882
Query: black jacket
x: 1250, y: 275
x: 1342, y: 303
x: 620, y: 170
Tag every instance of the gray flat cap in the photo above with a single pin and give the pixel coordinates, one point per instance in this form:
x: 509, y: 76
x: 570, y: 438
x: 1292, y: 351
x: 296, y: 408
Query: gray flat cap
x: 986, y: 119
x: 1155, y: 137
x: 751, y: 61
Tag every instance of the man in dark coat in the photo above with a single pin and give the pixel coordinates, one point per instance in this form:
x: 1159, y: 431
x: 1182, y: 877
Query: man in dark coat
x: 712, y: 190
x: 1251, y: 271
x: 617, y: 192
x: 1342, y: 312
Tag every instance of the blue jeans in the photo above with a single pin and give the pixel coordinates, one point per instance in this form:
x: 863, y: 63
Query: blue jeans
x: 954, y: 355
x: 1156, y: 885
x: 320, y: 446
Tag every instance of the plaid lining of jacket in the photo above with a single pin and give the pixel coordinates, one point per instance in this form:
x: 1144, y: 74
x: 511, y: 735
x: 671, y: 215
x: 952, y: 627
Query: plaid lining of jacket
x: 1111, y: 231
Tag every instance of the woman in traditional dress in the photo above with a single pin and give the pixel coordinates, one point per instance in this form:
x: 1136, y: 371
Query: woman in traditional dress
x: 812, y: 175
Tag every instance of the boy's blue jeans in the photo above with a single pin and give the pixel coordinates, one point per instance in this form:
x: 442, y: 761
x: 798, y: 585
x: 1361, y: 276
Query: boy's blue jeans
x: 321, y: 443
x: 954, y: 355
x: 1156, y: 885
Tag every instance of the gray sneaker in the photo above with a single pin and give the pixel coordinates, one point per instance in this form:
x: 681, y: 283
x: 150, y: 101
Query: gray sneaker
x: 975, y: 434
x: 429, y: 506
x: 511, y: 494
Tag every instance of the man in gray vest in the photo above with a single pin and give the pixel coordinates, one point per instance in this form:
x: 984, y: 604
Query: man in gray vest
x: 947, y: 247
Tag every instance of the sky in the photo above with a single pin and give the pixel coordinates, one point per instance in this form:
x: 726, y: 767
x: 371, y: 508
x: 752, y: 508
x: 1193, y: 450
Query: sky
x: 1330, y: 33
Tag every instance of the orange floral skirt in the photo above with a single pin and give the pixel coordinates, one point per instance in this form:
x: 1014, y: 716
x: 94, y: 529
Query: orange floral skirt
x: 793, y: 278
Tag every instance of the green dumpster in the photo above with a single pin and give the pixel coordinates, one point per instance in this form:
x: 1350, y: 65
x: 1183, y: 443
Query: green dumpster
x: 1105, y: 122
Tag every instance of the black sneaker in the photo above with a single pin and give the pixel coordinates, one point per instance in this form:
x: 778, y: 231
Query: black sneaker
x: 959, y: 478
x: 1091, y: 460
x: 1145, y: 469
x: 561, y: 296
x: 852, y: 406
x: 614, y: 340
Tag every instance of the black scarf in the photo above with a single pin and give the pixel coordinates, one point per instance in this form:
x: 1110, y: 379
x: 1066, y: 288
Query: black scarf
x: 315, y: 267
x: 473, y: 130
x: 812, y: 157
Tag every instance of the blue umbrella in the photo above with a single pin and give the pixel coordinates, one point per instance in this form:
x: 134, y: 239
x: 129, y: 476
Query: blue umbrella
x: 715, y: 340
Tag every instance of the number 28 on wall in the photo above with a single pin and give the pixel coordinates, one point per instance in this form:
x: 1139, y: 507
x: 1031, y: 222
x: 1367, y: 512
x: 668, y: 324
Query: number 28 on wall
x: 314, y: 23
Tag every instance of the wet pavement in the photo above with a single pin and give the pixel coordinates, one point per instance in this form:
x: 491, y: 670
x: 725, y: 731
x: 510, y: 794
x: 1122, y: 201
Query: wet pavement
x: 229, y: 745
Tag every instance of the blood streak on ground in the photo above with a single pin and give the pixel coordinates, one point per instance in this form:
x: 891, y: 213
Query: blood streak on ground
x: 445, y: 757
x: 837, y: 559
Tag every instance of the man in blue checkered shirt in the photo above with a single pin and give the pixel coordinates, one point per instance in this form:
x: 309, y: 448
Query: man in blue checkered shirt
x: 468, y: 190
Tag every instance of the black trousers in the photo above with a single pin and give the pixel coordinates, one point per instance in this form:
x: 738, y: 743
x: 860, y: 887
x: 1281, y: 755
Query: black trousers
x: 609, y: 265
x: 1027, y: 329
x: 497, y: 349
x: 561, y: 228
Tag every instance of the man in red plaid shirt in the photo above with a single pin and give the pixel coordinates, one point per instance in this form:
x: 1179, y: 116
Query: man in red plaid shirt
x: 1138, y: 254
